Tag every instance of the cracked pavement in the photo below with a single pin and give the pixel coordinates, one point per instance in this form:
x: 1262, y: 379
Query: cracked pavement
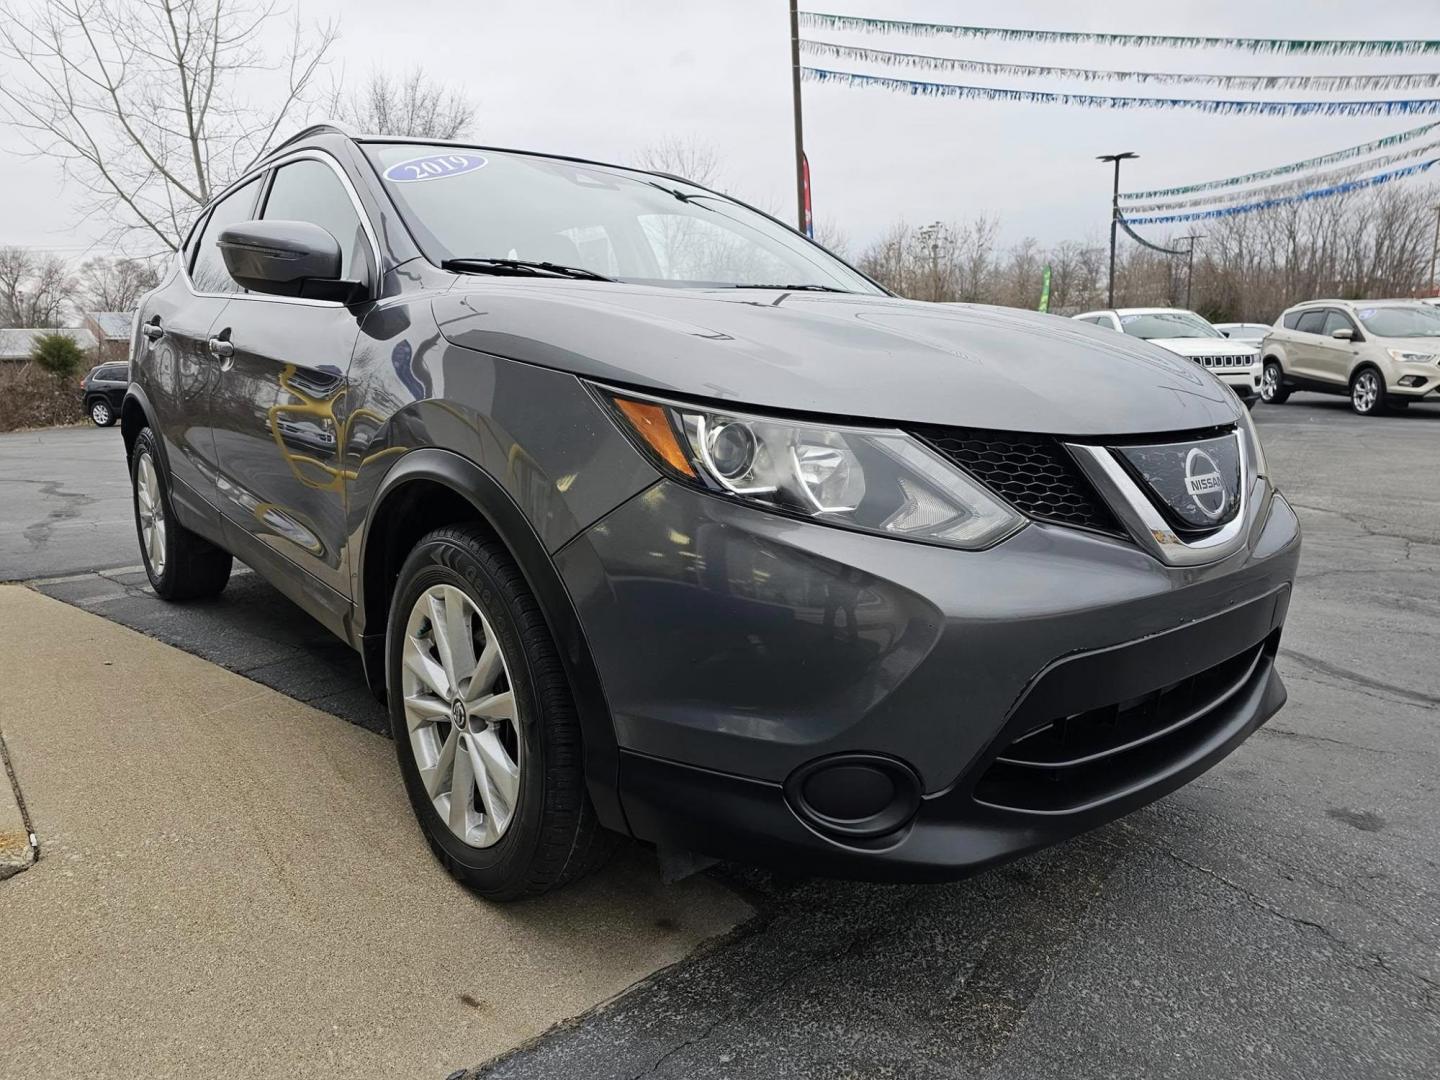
x: 1279, y: 917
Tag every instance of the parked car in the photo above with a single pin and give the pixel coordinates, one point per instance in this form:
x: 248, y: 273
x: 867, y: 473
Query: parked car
x: 647, y: 514
x: 1236, y: 364
x: 103, y: 391
x: 1382, y: 354
x: 1246, y: 332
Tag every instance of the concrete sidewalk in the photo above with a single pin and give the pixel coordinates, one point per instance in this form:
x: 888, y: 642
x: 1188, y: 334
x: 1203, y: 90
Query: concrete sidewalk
x: 232, y: 883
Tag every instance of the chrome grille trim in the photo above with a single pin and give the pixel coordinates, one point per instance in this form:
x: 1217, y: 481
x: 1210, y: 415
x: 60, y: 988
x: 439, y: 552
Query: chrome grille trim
x: 1147, y: 525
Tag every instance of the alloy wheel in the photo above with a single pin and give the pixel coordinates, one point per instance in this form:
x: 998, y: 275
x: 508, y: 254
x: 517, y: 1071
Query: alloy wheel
x: 1269, y: 382
x: 151, y: 509
x: 1366, y: 392
x: 461, y: 714
x: 100, y: 413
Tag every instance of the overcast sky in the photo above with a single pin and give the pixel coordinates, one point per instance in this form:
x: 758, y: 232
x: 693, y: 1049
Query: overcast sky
x: 602, y: 78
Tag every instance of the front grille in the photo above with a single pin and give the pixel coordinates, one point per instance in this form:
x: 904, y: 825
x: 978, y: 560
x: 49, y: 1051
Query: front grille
x: 1070, y: 762
x: 1230, y: 362
x: 1033, y: 472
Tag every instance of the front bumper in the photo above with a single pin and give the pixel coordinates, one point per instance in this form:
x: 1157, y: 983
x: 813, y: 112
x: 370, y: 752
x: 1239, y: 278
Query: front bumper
x: 737, y: 648
x: 1246, y: 383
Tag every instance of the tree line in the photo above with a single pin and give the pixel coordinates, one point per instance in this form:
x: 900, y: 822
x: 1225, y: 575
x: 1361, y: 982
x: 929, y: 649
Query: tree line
x: 1247, y: 268
x: 41, y: 290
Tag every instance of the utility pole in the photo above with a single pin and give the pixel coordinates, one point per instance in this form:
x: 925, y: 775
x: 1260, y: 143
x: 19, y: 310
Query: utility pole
x: 1190, y: 267
x: 800, y: 169
x: 1114, y: 216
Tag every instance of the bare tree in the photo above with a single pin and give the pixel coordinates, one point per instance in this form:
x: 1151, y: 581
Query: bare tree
x: 684, y: 156
x: 114, y: 284
x: 35, y: 290
x: 409, y: 105
x: 141, y: 100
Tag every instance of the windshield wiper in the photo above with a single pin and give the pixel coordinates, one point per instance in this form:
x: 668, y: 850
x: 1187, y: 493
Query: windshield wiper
x: 792, y: 288
x: 520, y: 266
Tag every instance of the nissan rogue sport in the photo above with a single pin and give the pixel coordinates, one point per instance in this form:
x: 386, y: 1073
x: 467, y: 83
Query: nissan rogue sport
x: 649, y: 516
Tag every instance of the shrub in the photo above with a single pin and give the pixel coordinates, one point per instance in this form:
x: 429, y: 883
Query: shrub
x: 29, y: 398
x: 58, y: 354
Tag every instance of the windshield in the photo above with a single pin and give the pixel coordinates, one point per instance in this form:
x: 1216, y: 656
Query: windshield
x: 630, y: 226
x: 1406, y: 322
x: 1168, y: 324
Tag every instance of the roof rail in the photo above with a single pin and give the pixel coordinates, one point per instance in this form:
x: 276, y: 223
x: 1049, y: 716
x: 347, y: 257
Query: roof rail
x: 331, y: 127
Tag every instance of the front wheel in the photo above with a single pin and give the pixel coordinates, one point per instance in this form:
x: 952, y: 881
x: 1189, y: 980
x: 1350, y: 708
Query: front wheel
x: 485, y: 726
x: 181, y: 565
x: 1367, y: 393
x: 1272, y: 384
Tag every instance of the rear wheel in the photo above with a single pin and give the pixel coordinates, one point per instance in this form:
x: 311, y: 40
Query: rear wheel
x: 100, y: 413
x: 1367, y: 392
x: 181, y: 565
x: 1272, y: 384
x: 484, y: 723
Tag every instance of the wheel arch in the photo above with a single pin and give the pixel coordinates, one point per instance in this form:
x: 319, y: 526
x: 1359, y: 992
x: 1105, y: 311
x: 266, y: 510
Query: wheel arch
x: 430, y: 487
x: 135, y: 415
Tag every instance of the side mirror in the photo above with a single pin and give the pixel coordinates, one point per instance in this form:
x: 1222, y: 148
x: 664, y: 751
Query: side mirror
x: 1225, y: 333
x: 285, y: 258
x: 1344, y: 333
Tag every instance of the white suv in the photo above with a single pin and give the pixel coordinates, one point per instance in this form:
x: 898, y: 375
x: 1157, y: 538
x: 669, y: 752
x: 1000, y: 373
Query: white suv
x: 1234, y: 363
x: 1382, y: 354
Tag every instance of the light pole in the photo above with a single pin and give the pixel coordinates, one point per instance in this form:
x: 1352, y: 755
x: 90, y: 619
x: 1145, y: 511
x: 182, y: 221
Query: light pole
x: 1114, y: 216
x: 1190, y: 265
x: 800, y: 179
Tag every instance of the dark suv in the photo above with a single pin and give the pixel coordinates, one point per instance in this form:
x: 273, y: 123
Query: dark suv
x: 103, y: 391
x: 648, y: 515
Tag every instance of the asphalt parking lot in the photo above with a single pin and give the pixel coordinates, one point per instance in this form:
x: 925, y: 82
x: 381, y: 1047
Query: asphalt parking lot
x: 1279, y: 917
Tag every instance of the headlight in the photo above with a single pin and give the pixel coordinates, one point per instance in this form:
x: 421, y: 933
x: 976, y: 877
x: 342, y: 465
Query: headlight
x: 875, y: 481
x: 1404, y: 356
x: 1252, y: 442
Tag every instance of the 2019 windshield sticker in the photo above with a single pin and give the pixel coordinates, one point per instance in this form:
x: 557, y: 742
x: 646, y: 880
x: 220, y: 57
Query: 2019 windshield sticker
x: 433, y: 167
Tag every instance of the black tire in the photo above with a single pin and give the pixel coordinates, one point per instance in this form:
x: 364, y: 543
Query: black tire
x: 101, y: 415
x: 1272, y: 384
x: 191, y: 568
x: 553, y: 836
x: 1367, y: 392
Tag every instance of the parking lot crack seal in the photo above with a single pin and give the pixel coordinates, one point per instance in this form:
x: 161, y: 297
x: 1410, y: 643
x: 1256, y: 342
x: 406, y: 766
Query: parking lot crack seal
x: 14, y: 781
x: 1372, y: 961
x: 1314, y: 663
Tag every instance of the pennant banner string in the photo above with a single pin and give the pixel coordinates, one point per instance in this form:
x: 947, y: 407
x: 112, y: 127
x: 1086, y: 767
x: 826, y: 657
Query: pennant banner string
x: 1413, y: 106
x: 1294, y: 184
x: 1304, y: 196
x: 1120, y: 220
x: 1282, y: 170
x: 1407, y: 81
x: 1286, y: 46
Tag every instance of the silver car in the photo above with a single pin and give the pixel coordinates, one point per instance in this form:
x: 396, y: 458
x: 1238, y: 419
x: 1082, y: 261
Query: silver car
x: 1382, y: 354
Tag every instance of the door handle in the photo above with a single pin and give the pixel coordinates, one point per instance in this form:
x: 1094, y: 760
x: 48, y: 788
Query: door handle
x: 221, y: 348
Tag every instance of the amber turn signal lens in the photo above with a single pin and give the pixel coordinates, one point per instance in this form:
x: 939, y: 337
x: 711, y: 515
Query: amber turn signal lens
x: 652, y: 425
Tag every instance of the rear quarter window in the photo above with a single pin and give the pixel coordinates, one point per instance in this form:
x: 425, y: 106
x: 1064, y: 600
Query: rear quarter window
x: 1292, y: 319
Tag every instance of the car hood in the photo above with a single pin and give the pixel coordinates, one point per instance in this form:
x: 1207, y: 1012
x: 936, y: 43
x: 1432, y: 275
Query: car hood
x: 862, y: 357
x: 1206, y: 346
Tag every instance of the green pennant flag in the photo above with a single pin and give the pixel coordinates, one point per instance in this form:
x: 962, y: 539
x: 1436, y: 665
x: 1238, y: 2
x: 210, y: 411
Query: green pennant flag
x: 1045, y: 290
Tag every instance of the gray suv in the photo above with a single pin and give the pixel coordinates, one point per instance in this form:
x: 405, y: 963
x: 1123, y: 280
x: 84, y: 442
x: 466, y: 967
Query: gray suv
x: 650, y: 517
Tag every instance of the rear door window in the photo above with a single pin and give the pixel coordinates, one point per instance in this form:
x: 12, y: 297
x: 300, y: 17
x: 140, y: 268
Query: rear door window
x: 1311, y: 322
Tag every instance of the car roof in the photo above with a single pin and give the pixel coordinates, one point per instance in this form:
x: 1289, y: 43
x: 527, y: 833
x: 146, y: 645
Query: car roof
x: 1155, y: 311
x: 315, y: 134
